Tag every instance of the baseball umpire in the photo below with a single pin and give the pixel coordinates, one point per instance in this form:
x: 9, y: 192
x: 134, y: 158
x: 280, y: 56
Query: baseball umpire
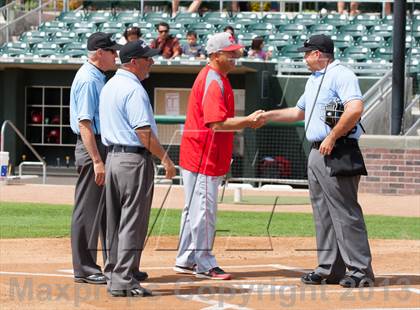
x: 340, y: 228
x: 129, y: 130
x: 90, y: 154
x: 205, y: 156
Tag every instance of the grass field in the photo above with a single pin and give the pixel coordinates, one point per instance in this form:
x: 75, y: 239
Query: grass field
x: 23, y: 220
x: 269, y: 200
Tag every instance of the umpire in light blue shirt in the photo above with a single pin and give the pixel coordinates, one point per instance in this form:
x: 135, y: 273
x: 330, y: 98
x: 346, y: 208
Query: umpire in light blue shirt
x: 89, y: 154
x: 344, y: 255
x: 129, y: 132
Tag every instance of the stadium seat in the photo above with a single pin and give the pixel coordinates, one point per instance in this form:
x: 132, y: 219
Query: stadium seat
x: 128, y: 17
x: 292, y: 29
x: 354, y: 30
x: 384, y: 30
x: 276, y: 19
x: 216, y: 18
x: 34, y: 37
x: 359, y: 53
x: 387, y: 20
x: 46, y: 49
x: 246, y: 38
x: 336, y: 19
x: 53, y: 26
x: 261, y: 28
x: 187, y: 18
x: 201, y: 28
x: 299, y: 40
x: 246, y: 19
x: 83, y: 27
x: 157, y: 17
x: 323, y: 29
x: 112, y: 27
x: 384, y: 53
x: 15, y: 49
x: 66, y: 37
x: 290, y: 51
x: 100, y: 17
x: 365, y: 19
x: 306, y: 19
x: 71, y: 17
x: 342, y: 40
x: 279, y: 40
x: 371, y: 41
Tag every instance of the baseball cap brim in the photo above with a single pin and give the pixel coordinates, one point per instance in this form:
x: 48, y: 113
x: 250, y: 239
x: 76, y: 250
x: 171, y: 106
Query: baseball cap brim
x: 307, y: 48
x: 233, y: 47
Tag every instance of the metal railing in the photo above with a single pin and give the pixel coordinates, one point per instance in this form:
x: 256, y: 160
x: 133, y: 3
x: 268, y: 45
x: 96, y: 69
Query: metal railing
x: 22, y: 137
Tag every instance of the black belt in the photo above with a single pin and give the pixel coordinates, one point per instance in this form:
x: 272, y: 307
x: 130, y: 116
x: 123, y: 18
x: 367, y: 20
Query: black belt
x: 116, y: 148
x: 317, y: 144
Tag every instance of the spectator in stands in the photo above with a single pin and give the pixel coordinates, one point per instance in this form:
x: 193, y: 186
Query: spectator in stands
x: 192, y: 48
x: 354, y: 8
x: 130, y: 34
x: 240, y: 6
x: 168, y: 44
x: 191, y: 9
x: 231, y: 31
x: 257, y: 50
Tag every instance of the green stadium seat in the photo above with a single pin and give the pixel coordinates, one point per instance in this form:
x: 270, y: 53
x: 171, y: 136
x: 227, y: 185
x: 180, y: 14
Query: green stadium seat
x: 246, y: 38
x: 128, y: 17
x: 15, y: 49
x: 201, y: 28
x: 157, y: 17
x: 359, y: 53
x: 112, y: 27
x: 34, y: 37
x: 383, y: 53
x: 306, y: 19
x: 387, y: 20
x: 84, y: 27
x: 100, y: 17
x: 293, y: 29
x: 354, y: 30
x: 371, y: 41
x: 415, y: 52
x: 262, y: 28
x: 323, y: 29
x: 365, y: 19
x: 187, y: 18
x: 384, y: 30
x: 216, y: 18
x: 290, y: 51
x: 279, y: 40
x: 245, y: 18
x: 410, y: 41
x: 46, y: 49
x: 61, y: 38
x: 276, y: 19
x: 71, y: 17
x: 342, y: 40
x: 299, y: 40
x: 53, y: 26
x: 336, y: 19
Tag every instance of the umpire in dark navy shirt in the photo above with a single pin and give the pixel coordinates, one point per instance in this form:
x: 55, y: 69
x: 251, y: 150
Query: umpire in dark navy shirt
x: 89, y: 154
x: 129, y: 131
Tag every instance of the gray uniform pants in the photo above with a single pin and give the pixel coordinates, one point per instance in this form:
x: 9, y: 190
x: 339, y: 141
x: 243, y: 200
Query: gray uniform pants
x: 340, y: 228
x: 198, y: 221
x: 87, y: 205
x: 129, y: 192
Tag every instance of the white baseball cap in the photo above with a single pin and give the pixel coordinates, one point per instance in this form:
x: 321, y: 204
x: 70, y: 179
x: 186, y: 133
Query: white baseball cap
x: 223, y: 41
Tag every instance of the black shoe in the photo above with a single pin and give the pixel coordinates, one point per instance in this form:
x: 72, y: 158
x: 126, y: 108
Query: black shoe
x: 98, y: 278
x: 135, y: 292
x: 314, y: 278
x: 140, y: 275
x: 352, y: 281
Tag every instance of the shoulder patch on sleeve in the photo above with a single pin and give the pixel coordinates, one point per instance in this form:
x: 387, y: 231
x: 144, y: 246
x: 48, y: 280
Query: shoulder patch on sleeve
x: 213, y: 76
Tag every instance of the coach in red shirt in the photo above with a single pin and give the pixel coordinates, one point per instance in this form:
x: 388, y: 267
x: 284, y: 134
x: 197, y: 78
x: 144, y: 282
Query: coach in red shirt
x: 205, y: 156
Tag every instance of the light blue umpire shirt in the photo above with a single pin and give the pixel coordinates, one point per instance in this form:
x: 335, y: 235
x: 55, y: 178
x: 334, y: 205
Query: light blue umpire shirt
x: 339, y: 82
x: 84, y: 97
x: 124, y: 106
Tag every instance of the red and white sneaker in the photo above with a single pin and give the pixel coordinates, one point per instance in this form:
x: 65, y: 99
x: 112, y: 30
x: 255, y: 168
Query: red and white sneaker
x: 216, y: 273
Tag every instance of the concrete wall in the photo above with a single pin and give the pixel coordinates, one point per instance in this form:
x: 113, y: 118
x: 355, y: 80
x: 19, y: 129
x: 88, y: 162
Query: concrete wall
x: 393, y: 164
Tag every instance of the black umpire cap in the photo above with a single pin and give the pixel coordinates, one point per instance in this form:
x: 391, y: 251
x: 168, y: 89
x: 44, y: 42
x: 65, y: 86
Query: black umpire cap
x: 102, y: 40
x: 318, y: 42
x: 137, y: 49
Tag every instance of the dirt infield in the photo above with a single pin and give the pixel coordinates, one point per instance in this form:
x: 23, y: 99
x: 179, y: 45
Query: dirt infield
x: 36, y: 274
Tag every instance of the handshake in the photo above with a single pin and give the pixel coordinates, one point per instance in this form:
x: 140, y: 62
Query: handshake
x: 257, y: 119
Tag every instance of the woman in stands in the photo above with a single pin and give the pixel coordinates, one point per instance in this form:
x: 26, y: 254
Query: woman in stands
x: 257, y: 50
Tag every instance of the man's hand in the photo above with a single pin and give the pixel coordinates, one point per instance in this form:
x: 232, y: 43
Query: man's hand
x: 99, y: 169
x: 170, y: 170
x: 327, y: 145
x: 256, y: 119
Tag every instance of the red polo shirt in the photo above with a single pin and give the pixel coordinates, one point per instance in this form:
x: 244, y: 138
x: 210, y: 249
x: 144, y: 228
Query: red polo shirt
x: 211, y: 100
